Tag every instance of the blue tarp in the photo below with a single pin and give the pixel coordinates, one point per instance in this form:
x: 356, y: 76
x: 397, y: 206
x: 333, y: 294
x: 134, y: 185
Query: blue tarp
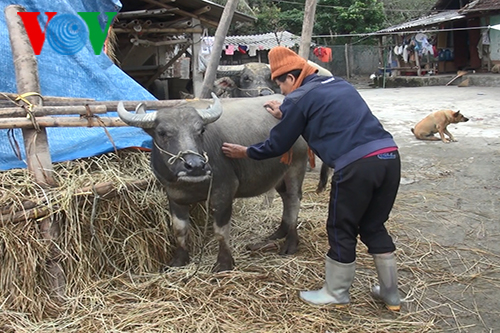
x: 83, y: 75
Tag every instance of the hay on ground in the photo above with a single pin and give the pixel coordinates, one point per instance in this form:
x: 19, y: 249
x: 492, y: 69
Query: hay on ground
x: 112, y: 250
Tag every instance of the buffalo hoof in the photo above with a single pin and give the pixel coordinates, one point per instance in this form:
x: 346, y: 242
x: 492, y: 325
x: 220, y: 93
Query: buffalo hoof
x: 291, y: 244
x: 223, y: 266
x: 180, y: 258
x: 225, y: 261
x: 280, y: 233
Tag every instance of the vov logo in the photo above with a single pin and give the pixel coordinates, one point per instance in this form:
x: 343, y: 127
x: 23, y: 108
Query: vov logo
x: 68, y: 33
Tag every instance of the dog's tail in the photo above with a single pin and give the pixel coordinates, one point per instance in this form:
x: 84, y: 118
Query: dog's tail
x: 413, y: 131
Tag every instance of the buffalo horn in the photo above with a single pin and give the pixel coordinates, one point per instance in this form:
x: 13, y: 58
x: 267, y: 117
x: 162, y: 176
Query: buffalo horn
x: 228, y: 70
x: 140, y: 108
x: 143, y: 120
x: 213, y: 112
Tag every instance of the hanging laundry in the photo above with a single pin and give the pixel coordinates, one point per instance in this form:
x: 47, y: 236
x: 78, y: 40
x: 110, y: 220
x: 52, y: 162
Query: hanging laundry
x: 206, y: 45
x: 242, y: 49
x: 230, y: 49
x: 252, y: 50
x: 323, y: 53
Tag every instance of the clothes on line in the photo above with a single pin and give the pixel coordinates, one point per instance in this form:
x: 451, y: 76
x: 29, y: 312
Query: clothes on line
x: 324, y: 54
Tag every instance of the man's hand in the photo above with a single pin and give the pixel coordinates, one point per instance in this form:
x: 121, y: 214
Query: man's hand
x: 233, y: 150
x: 273, y: 107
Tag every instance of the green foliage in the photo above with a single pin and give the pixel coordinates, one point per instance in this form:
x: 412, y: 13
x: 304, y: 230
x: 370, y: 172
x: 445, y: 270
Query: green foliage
x: 348, y: 17
x: 399, y: 11
x: 333, y: 17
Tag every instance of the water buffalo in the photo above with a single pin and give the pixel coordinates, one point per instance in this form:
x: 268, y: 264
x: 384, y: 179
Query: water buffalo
x: 187, y: 159
x: 250, y: 80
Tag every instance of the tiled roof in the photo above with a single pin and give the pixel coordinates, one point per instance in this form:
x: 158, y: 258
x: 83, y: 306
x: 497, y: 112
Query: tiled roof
x: 425, y: 21
x: 265, y: 41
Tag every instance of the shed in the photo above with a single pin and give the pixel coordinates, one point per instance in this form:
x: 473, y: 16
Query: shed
x: 158, y: 43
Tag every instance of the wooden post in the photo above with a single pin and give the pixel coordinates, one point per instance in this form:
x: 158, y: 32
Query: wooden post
x: 36, y: 144
x: 347, y: 64
x: 307, y: 28
x: 220, y: 35
x: 197, y: 76
x: 26, y: 68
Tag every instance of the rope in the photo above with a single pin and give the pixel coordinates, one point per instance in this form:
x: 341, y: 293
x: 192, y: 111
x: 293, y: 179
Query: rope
x: 205, y: 229
x: 173, y: 158
x: 29, y: 107
x: 258, y: 89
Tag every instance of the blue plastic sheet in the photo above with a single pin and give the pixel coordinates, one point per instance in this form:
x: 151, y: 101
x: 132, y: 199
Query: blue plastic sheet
x: 84, y: 75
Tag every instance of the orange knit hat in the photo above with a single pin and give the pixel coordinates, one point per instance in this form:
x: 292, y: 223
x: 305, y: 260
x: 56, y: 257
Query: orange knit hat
x: 283, y: 60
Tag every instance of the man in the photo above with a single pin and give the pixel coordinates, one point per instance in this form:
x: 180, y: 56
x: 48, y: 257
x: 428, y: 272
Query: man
x: 340, y: 128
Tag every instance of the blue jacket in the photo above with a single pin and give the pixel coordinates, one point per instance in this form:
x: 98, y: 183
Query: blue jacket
x: 334, y: 120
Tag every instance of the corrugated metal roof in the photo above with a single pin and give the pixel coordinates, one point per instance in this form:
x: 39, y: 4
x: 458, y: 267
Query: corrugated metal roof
x: 425, y: 21
x: 481, y: 5
x: 265, y: 41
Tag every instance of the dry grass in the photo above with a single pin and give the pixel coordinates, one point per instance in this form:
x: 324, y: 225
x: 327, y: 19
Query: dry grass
x: 112, y: 250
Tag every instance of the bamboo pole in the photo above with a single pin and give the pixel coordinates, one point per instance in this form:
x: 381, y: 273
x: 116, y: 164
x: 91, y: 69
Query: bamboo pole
x: 26, y: 123
x: 112, y: 105
x: 53, y: 110
x: 35, y: 141
x: 46, y: 99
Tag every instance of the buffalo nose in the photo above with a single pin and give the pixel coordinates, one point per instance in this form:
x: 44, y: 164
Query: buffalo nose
x: 265, y: 92
x: 194, y: 164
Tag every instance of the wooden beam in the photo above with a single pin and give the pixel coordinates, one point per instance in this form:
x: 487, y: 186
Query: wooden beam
x: 158, y: 30
x: 163, y: 68
x: 183, y: 13
x: 145, y: 12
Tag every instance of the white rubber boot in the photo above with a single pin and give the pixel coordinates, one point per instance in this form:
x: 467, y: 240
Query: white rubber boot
x: 335, y: 291
x: 387, y: 290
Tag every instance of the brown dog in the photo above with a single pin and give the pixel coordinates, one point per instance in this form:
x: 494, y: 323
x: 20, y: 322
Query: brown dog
x: 437, y: 122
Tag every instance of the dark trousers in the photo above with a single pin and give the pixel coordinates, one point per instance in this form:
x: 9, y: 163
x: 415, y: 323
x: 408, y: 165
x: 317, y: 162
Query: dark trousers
x: 361, y: 199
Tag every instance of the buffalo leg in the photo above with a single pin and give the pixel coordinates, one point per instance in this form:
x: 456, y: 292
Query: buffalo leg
x: 222, y: 217
x: 290, y: 191
x: 180, y: 222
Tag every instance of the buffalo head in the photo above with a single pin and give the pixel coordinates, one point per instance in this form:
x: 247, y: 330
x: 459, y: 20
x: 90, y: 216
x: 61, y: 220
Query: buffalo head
x: 177, y: 153
x: 251, y: 80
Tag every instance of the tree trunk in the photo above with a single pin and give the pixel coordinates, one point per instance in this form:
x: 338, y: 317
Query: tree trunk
x: 307, y: 28
x: 26, y: 68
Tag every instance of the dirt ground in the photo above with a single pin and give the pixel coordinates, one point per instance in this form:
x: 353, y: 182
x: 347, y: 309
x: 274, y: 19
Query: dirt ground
x: 449, y: 200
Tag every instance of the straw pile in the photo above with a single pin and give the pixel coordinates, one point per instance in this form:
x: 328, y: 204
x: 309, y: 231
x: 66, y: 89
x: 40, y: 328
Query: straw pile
x: 113, y: 249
